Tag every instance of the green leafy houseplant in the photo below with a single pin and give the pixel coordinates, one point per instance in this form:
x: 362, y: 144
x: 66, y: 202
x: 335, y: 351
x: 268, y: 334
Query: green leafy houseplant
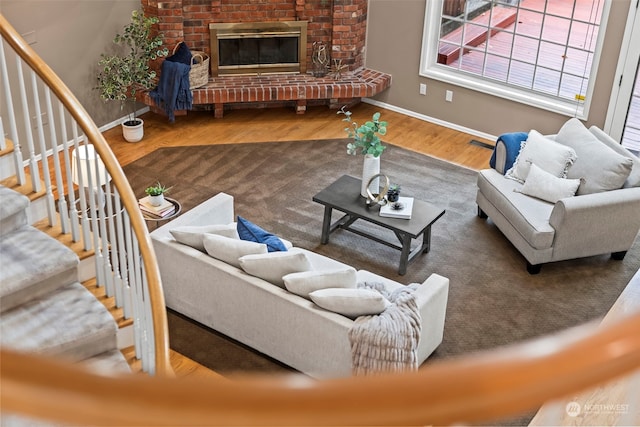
x: 157, y: 189
x: 121, y: 75
x: 365, y: 137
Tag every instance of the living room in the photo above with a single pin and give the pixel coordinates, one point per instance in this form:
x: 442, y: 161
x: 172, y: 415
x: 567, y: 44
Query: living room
x: 403, y: 96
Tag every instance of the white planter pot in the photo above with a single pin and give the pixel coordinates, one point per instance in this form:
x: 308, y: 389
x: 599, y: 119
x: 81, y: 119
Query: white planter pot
x: 133, y: 133
x: 156, y: 200
x: 370, y: 167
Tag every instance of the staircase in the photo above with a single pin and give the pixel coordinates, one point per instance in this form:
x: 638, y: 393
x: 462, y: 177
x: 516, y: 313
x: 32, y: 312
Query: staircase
x: 43, y: 307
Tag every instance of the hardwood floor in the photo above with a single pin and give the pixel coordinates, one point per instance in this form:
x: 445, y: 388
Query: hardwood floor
x: 282, y: 124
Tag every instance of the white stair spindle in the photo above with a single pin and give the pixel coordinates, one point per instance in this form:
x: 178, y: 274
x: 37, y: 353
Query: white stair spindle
x: 62, y: 200
x: 46, y: 175
x: 13, y: 132
x: 33, y: 162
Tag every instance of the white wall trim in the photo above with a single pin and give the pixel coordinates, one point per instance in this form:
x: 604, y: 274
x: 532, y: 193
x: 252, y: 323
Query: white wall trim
x: 118, y: 122
x: 430, y: 119
x: 622, y: 90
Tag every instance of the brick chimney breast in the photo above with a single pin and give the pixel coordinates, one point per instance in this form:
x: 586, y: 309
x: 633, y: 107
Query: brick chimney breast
x: 340, y: 24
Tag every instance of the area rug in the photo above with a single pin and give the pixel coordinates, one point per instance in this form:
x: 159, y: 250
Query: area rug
x: 493, y: 301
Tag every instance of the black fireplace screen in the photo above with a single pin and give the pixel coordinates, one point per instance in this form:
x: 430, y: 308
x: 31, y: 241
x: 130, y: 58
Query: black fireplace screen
x: 258, y: 51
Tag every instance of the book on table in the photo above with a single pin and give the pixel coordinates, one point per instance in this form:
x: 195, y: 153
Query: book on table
x: 401, y: 209
x: 165, y: 209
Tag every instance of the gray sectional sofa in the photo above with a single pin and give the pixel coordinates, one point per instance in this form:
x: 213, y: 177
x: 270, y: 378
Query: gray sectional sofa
x: 553, y: 220
x: 267, y: 317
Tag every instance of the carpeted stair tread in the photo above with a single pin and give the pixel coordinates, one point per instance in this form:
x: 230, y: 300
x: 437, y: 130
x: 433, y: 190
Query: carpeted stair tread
x: 110, y: 362
x: 13, y: 210
x: 33, y: 264
x: 68, y: 322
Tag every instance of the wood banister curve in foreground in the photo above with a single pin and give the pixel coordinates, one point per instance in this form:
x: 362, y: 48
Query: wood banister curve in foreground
x: 473, y: 388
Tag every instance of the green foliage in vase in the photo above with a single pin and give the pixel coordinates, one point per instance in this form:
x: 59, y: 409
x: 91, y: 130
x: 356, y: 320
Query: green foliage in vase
x: 365, y: 138
x: 121, y: 75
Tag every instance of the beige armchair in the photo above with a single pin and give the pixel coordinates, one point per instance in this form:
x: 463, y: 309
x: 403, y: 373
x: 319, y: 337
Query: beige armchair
x: 595, y: 221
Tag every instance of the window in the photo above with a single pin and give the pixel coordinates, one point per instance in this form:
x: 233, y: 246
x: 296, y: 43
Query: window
x: 539, y: 52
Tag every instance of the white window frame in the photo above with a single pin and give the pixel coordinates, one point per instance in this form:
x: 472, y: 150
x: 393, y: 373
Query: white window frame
x: 431, y: 69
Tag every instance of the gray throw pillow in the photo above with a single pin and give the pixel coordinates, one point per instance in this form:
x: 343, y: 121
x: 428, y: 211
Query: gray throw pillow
x: 350, y: 302
x: 601, y: 168
x: 273, y: 266
x: 305, y: 282
x: 542, y: 185
x: 230, y: 250
x: 191, y: 235
x: 547, y: 154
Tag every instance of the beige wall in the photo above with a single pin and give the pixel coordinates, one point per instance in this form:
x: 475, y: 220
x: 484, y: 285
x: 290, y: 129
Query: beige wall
x: 70, y: 36
x: 393, y: 46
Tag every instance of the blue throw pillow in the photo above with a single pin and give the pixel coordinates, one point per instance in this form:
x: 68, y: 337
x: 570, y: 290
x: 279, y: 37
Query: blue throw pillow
x: 251, y: 232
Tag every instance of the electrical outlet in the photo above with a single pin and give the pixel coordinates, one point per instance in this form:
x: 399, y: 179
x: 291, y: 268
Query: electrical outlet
x: 423, y: 89
x: 448, y: 96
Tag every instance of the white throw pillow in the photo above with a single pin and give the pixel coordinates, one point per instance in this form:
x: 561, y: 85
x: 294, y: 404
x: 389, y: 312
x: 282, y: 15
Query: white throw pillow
x: 601, y: 167
x: 543, y: 185
x: 350, y: 302
x: 305, y: 282
x: 230, y: 250
x: 549, y: 155
x: 273, y: 266
x: 191, y: 235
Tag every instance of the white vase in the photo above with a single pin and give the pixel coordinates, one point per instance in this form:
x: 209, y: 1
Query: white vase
x: 156, y: 200
x: 370, y: 167
x: 133, y: 133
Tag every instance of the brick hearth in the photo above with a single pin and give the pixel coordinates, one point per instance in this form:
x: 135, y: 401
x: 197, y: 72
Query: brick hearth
x: 340, y: 24
x: 280, y: 90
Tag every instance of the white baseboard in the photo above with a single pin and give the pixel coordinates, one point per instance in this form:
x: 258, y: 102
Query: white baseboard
x: 430, y: 119
x: 121, y: 120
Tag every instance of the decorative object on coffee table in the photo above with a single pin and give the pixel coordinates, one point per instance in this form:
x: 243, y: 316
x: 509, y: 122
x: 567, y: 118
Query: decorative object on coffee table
x: 379, y: 197
x: 401, y: 208
x: 365, y: 140
x: 393, y: 193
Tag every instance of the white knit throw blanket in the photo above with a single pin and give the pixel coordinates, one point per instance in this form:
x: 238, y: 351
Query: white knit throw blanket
x: 387, y: 342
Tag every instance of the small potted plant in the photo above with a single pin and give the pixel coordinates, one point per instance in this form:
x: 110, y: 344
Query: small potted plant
x: 393, y: 194
x: 156, y: 194
x: 122, y: 75
x: 365, y: 139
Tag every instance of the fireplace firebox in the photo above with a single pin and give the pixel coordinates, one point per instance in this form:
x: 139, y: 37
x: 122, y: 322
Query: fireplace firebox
x: 253, y: 48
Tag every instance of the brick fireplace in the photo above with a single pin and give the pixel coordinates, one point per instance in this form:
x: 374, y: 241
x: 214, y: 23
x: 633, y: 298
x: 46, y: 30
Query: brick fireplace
x: 338, y: 24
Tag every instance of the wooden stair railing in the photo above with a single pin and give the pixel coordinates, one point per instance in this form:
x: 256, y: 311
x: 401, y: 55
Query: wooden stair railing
x: 149, y: 272
x: 467, y: 389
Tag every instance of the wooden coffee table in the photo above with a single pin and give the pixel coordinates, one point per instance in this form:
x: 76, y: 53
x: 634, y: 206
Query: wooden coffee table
x: 344, y: 196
